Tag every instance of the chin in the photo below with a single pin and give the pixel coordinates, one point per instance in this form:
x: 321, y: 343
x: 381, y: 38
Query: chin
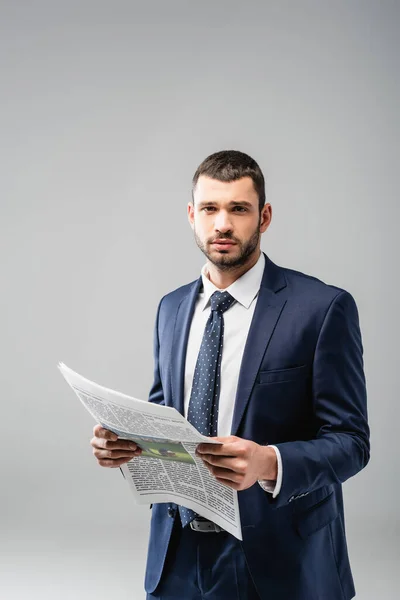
x: 224, y: 260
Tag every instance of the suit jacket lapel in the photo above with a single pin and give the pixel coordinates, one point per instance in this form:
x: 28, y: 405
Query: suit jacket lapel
x: 179, y: 344
x: 266, y: 314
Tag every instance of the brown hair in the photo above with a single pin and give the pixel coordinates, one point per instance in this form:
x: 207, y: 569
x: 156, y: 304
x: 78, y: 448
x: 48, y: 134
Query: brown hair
x: 230, y: 165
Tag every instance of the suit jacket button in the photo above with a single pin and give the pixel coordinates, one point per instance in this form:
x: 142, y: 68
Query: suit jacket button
x: 171, y: 511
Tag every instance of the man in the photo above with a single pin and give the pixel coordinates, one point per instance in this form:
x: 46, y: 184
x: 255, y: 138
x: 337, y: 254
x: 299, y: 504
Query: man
x: 280, y: 356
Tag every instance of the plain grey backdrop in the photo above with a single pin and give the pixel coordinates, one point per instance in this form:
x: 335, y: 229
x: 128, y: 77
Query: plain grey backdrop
x: 107, y: 108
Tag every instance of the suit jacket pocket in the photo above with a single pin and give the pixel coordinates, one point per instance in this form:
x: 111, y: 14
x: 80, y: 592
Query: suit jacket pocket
x: 317, y: 516
x: 280, y: 375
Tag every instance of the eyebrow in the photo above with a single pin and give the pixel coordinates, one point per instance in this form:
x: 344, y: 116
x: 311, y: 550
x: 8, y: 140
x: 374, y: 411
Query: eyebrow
x: 232, y: 203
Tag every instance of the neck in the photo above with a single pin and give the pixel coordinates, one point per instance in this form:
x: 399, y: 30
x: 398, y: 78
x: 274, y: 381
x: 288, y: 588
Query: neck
x: 224, y: 278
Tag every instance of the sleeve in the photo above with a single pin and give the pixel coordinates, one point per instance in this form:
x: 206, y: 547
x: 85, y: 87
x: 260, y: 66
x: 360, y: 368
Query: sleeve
x: 273, y: 487
x: 156, y: 393
x: 340, y: 447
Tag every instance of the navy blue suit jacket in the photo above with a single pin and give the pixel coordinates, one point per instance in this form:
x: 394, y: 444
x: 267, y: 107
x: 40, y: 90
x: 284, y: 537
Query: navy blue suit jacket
x: 301, y: 387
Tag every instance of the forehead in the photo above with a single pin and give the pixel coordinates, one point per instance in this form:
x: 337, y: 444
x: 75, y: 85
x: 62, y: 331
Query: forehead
x: 212, y: 190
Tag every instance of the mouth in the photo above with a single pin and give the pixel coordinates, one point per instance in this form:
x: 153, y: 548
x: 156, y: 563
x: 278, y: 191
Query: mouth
x: 223, y: 241
x: 223, y: 244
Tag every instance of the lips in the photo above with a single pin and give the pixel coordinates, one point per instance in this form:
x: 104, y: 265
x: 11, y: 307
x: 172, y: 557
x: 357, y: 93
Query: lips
x: 223, y: 242
x: 223, y: 245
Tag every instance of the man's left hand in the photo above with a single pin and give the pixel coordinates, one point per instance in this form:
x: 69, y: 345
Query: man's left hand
x: 238, y: 463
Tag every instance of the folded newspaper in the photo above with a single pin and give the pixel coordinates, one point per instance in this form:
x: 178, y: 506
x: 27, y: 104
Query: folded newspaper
x: 168, y: 469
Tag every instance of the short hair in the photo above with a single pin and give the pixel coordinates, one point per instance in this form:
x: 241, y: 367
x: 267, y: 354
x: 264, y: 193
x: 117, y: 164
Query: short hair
x: 230, y: 165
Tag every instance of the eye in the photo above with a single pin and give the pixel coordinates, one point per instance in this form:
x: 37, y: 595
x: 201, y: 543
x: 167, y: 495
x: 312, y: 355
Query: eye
x: 208, y: 208
x: 240, y: 208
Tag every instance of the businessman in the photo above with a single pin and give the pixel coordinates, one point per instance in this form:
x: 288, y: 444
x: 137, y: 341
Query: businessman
x: 269, y: 361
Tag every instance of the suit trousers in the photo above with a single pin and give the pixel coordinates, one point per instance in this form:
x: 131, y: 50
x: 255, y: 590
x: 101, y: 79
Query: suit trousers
x: 204, y: 566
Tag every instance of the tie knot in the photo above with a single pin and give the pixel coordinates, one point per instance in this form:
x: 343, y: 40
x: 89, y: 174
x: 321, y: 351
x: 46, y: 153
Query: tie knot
x: 221, y: 301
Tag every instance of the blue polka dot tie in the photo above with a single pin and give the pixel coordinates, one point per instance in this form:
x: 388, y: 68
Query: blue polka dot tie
x: 203, y: 403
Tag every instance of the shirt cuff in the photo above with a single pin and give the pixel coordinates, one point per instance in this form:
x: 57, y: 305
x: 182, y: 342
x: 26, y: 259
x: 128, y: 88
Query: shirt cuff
x: 274, y: 487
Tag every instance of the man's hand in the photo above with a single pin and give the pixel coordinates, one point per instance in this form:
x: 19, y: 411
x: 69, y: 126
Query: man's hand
x: 109, y: 450
x: 238, y: 463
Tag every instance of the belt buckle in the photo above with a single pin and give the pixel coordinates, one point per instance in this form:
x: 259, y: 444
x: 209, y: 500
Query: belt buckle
x: 205, y: 526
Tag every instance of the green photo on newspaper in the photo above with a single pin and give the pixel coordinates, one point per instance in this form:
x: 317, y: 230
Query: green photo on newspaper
x: 155, y: 447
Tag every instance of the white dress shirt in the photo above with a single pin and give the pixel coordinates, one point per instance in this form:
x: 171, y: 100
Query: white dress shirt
x: 237, y: 320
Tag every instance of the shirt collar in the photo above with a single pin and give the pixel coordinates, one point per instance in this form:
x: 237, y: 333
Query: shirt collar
x: 244, y: 289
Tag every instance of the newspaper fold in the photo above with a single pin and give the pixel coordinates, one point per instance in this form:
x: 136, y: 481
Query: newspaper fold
x: 168, y: 469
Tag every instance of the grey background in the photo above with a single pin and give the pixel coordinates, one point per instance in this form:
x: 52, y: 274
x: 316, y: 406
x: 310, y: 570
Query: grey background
x: 107, y: 108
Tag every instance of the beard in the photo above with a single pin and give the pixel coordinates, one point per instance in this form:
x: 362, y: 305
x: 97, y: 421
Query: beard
x: 226, y: 262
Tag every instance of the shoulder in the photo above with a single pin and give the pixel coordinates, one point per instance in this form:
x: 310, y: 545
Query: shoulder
x: 299, y: 281
x: 306, y: 288
x: 172, y: 299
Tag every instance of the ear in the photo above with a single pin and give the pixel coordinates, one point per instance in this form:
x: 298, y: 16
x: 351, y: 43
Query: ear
x: 266, y: 217
x: 190, y: 210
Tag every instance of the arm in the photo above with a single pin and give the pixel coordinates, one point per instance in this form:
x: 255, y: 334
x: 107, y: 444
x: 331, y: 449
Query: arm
x: 341, y: 446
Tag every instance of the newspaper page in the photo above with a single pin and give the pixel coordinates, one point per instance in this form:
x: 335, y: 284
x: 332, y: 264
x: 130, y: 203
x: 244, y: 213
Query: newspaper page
x: 167, y: 469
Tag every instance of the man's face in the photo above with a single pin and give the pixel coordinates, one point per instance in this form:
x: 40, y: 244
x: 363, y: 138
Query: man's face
x: 226, y: 220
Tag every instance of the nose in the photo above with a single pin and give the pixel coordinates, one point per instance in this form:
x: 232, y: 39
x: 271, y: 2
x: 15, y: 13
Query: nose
x: 222, y: 222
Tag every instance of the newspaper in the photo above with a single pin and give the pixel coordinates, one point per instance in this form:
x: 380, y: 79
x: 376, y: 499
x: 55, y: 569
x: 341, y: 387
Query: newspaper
x: 168, y: 469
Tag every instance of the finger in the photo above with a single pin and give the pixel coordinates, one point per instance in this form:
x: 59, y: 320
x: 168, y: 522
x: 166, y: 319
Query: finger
x: 226, y: 439
x: 231, y: 484
x: 232, y: 464
x: 114, y: 454
x: 225, y: 474
x: 103, y: 433
x: 229, y: 449
x: 109, y: 445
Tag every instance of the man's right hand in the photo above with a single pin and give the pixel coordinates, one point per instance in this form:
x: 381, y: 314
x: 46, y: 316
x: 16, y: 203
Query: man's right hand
x: 111, y: 451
